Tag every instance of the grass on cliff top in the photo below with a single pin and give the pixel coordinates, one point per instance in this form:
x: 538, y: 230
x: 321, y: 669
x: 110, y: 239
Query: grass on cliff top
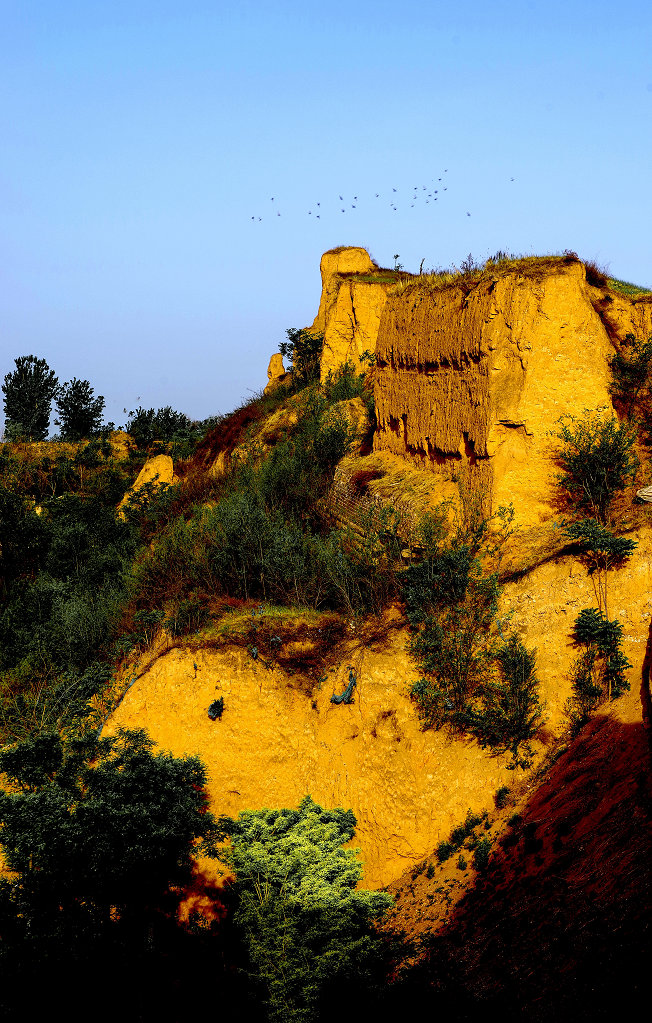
x: 628, y: 289
x: 470, y: 273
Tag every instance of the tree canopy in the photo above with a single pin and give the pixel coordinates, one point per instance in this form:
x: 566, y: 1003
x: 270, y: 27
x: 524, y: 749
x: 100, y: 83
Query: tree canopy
x: 100, y: 835
x: 306, y: 925
x: 80, y: 412
x: 28, y: 393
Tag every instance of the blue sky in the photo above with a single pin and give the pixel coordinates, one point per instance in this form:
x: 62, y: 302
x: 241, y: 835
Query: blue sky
x: 139, y: 139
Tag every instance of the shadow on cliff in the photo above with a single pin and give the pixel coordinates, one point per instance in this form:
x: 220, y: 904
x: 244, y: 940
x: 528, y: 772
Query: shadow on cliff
x: 560, y: 925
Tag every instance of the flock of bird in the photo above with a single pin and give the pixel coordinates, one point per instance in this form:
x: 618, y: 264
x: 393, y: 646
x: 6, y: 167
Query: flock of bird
x: 417, y: 195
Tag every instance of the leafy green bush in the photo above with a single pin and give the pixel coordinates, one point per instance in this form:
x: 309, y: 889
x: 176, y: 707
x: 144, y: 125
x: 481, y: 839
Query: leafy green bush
x: 100, y: 835
x: 306, y: 925
x: 599, y: 670
x: 501, y: 797
x: 481, y: 855
x: 598, y: 462
x: 164, y: 424
x: 630, y: 370
x: 444, y: 851
x: 509, y: 712
x: 303, y: 350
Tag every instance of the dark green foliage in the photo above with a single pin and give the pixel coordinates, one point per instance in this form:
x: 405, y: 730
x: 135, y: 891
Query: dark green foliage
x: 455, y: 651
x: 164, y: 424
x: 100, y: 835
x: 28, y: 393
x: 599, y: 671
x: 439, y: 581
x: 444, y: 851
x: 303, y: 349
x: 216, y: 709
x: 80, y: 412
x: 630, y: 370
x: 452, y: 601
x: 188, y: 616
x: 598, y: 462
x: 308, y: 928
x: 481, y: 855
x: 605, y: 548
x: 461, y: 862
x: 501, y: 797
x: 509, y: 712
x: 63, y: 582
x: 22, y: 537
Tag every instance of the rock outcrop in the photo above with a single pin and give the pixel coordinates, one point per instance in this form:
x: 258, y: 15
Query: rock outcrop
x: 157, y: 472
x: 350, y: 307
x: 470, y: 383
x: 276, y: 374
x: 474, y: 372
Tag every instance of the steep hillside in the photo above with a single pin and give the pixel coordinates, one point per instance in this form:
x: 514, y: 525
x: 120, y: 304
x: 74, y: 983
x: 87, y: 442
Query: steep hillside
x: 559, y: 923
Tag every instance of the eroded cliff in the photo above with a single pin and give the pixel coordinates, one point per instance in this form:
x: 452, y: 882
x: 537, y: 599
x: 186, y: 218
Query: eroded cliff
x: 474, y: 370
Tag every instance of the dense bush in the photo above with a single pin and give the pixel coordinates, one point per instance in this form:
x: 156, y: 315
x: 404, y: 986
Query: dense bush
x: 64, y: 561
x: 508, y: 712
x: 99, y: 836
x: 598, y: 462
x: 303, y: 350
x: 598, y: 674
x: 307, y: 925
x: 630, y: 369
x: 472, y: 680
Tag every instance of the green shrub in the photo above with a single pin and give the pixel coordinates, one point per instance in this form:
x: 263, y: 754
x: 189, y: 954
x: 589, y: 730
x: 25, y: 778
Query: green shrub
x: 303, y: 349
x: 481, y: 855
x: 461, y: 862
x: 598, y: 462
x: 188, y: 616
x: 509, y: 711
x: 630, y: 370
x: 502, y: 796
x: 307, y: 927
x: 599, y: 671
x: 444, y: 851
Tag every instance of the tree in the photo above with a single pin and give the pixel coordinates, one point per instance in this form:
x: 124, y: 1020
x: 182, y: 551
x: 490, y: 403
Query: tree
x: 630, y: 368
x: 304, y: 350
x: 164, y: 424
x: 80, y: 412
x: 601, y: 550
x: 599, y: 670
x: 100, y: 835
x: 306, y: 925
x: 28, y: 392
x: 598, y: 461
